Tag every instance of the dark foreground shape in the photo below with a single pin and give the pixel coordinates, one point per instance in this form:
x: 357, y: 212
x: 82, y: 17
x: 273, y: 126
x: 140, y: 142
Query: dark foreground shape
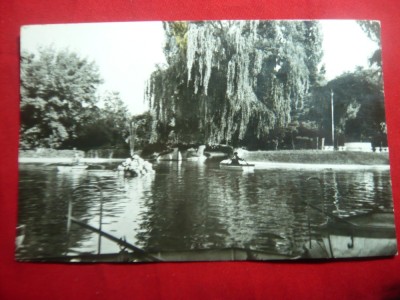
x: 132, y: 253
x: 130, y: 173
x: 369, y: 235
x: 226, y: 254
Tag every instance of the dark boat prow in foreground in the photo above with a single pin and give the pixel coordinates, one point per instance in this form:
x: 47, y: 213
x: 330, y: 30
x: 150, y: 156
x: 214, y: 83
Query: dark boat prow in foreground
x: 225, y: 254
x: 368, y: 235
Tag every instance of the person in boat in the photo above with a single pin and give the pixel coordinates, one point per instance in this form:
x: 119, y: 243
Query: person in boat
x: 235, y: 160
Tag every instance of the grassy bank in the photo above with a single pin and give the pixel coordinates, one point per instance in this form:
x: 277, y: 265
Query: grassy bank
x: 317, y: 157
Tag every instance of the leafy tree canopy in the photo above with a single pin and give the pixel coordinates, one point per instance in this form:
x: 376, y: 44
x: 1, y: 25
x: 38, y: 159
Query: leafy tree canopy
x: 231, y: 81
x: 373, y: 30
x: 106, y: 127
x: 359, y: 114
x: 57, y: 89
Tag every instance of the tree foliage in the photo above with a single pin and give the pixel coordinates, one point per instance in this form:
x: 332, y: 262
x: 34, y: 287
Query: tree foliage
x: 59, y: 104
x: 373, y: 31
x: 57, y: 89
x: 233, y: 81
x: 358, y: 96
x: 359, y: 114
x: 106, y: 127
x: 142, y: 127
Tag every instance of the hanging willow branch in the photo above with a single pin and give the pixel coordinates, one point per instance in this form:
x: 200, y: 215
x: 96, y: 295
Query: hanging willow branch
x: 228, y: 80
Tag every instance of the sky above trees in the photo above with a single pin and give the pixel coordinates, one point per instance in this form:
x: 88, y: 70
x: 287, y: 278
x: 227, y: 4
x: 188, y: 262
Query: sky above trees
x: 345, y: 46
x: 127, y: 53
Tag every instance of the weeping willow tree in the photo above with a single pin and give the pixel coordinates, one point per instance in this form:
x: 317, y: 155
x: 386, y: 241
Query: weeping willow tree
x: 232, y: 81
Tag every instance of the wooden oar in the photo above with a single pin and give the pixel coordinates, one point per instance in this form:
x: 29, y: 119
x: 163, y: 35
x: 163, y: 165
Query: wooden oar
x: 118, y: 241
x: 245, y: 161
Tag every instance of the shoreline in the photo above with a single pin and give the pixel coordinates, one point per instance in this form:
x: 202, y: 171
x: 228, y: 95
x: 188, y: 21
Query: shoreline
x: 259, y: 165
x: 65, y: 160
x: 283, y: 159
x: 317, y: 157
x: 316, y: 167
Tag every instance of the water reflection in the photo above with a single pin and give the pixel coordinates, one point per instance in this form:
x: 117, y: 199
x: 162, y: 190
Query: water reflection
x: 187, y: 206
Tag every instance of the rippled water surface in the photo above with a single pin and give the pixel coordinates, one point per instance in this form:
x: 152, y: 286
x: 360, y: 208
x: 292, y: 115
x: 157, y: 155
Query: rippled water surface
x: 190, y: 206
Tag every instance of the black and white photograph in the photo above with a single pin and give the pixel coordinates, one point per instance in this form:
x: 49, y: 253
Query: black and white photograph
x: 225, y: 140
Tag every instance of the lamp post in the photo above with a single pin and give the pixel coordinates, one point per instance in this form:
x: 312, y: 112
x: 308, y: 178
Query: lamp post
x: 132, y: 138
x: 333, y: 122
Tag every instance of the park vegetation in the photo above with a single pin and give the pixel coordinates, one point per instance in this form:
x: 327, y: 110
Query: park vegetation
x: 60, y: 104
x: 253, y: 84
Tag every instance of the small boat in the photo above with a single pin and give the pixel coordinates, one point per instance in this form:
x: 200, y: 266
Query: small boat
x: 242, y: 166
x: 72, y: 168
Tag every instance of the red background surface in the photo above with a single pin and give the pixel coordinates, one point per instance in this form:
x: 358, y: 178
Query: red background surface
x: 361, y: 279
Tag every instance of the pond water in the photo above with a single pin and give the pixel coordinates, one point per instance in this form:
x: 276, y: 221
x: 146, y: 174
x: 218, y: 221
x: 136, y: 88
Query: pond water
x: 186, y: 206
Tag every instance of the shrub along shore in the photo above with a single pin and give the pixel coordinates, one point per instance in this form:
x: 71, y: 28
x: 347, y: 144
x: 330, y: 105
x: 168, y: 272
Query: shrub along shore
x: 53, y: 156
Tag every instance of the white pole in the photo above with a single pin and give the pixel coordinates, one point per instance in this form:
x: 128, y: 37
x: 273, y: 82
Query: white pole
x: 132, y: 138
x: 333, y: 124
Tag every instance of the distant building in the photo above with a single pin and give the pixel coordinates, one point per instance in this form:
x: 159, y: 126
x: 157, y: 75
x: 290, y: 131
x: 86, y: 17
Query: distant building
x: 358, y: 147
x: 328, y: 148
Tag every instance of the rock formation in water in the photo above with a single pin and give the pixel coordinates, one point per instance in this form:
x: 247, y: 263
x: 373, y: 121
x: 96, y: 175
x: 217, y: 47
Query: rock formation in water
x: 136, y: 166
